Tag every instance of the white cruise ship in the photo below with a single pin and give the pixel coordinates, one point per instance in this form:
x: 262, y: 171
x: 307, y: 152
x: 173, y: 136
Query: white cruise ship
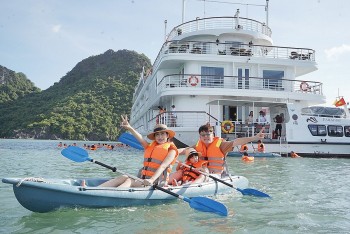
x: 219, y: 69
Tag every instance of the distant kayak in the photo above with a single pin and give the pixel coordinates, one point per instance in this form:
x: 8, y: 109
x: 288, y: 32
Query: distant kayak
x: 254, y: 154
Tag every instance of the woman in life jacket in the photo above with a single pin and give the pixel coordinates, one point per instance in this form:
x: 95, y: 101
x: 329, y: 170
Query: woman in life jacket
x: 159, y: 157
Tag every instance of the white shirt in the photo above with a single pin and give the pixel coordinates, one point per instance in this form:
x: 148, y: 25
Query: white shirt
x: 173, y: 109
x: 261, y: 119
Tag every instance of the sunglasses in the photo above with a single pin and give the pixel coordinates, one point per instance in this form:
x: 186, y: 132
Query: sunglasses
x: 206, y: 134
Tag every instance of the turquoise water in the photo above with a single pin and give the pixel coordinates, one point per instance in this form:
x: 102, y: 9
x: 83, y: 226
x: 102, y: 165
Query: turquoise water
x: 309, y: 196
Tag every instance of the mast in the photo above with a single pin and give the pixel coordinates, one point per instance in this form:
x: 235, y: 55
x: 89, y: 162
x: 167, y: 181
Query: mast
x: 165, y: 24
x: 267, y: 12
x: 183, y: 11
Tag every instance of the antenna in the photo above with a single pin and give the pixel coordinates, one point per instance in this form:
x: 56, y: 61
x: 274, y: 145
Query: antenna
x: 165, y: 24
x: 204, y: 8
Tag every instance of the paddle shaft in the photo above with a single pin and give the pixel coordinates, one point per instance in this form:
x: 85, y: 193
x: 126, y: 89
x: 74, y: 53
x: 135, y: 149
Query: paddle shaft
x: 114, y: 169
x: 253, y: 146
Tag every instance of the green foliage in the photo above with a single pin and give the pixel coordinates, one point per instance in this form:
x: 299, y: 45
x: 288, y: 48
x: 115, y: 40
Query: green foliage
x: 85, y: 104
x: 14, y: 85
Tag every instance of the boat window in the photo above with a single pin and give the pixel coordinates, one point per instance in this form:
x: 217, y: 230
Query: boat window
x: 317, y: 130
x: 212, y: 77
x: 243, y: 78
x: 323, y: 111
x: 273, y: 79
x: 335, y: 131
x: 347, y: 131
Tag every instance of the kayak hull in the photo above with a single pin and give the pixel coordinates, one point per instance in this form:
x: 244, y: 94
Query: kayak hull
x: 254, y: 154
x: 52, y: 194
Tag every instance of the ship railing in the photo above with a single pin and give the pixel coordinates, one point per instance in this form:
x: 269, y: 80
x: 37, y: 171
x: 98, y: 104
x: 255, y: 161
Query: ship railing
x: 215, y: 23
x: 195, y: 81
x: 249, y: 50
x: 244, y: 129
x: 183, y: 119
x: 195, y: 119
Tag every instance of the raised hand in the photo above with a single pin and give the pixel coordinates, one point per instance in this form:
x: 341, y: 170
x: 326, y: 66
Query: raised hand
x: 260, y: 135
x: 125, y: 124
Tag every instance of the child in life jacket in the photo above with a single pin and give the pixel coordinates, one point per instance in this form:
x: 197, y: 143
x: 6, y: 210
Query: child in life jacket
x: 190, y: 170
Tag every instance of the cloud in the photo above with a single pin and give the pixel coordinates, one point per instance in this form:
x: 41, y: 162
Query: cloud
x: 56, y: 28
x: 335, y: 52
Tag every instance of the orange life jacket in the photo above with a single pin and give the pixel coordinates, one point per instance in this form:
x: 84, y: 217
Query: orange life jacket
x: 243, y: 148
x: 154, y: 156
x: 189, y: 174
x: 247, y: 158
x: 93, y: 147
x: 212, y: 154
x: 261, y: 147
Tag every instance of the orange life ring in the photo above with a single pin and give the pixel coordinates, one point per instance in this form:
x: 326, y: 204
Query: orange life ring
x: 193, y: 80
x: 304, y: 86
x: 227, y: 126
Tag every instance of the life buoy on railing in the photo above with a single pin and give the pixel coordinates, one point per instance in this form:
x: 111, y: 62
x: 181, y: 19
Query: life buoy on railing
x: 193, y: 80
x: 304, y: 86
x: 227, y: 126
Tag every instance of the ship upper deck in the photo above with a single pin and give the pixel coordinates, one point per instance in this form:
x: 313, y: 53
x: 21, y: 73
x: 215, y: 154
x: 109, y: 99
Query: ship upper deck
x: 219, y: 25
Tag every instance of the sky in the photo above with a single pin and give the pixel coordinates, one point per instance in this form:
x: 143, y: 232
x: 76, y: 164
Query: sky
x: 45, y: 39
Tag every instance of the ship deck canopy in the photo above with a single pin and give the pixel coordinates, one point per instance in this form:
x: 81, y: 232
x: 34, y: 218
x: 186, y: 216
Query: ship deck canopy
x: 230, y: 102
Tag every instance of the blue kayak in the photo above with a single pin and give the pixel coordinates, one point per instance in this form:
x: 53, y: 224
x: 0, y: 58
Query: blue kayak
x: 254, y: 154
x: 45, y: 195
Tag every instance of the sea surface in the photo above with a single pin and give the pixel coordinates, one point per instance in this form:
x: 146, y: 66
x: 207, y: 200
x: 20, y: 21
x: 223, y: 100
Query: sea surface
x: 308, y: 196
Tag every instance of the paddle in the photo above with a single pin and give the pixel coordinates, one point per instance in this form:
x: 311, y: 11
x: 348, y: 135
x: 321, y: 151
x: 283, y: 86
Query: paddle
x: 199, y: 203
x: 129, y: 139
x: 253, y: 147
x: 248, y: 191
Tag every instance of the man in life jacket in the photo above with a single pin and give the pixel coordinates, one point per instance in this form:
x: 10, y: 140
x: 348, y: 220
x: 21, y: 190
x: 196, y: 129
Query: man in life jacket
x: 261, y: 147
x: 294, y: 155
x: 214, y: 149
x: 159, y: 157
